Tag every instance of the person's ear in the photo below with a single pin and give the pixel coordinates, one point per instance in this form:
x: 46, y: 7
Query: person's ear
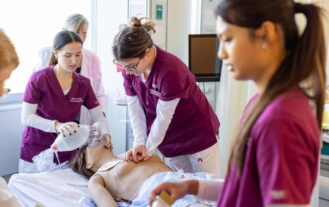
x: 63, y: 28
x: 147, y: 52
x: 267, y: 33
x: 89, y: 165
x: 55, y: 54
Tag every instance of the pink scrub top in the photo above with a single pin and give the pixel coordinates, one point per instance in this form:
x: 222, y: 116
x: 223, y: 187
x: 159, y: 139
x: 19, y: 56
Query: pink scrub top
x: 44, y: 89
x: 194, y: 125
x: 281, y: 161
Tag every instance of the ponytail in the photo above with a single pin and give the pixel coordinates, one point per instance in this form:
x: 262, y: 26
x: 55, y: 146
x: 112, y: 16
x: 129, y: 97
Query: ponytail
x: 303, y: 66
x: 134, y: 39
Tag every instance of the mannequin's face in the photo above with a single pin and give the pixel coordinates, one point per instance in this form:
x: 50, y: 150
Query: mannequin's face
x: 94, y: 153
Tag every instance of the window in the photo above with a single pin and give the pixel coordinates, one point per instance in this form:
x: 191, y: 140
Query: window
x: 32, y: 25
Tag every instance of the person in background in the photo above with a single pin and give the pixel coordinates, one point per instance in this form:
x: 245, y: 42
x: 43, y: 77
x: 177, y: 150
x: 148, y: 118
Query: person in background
x: 167, y: 109
x: 8, y: 62
x: 89, y: 66
x: 52, y: 100
x: 274, y: 161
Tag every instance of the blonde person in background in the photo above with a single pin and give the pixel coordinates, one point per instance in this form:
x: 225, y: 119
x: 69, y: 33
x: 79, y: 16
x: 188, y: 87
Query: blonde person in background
x: 8, y: 62
x: 89, y: 66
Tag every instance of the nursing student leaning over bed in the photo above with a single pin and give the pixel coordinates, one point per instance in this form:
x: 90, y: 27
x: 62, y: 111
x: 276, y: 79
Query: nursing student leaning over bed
x: 111, y: 178
x: 8, y: 62
x: 275, y: 158
x: 52, y: 101
x: 168, y: 111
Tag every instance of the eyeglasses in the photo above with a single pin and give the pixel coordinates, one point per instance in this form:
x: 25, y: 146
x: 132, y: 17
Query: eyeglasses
x: 84, y: 34
x: 134, y: 68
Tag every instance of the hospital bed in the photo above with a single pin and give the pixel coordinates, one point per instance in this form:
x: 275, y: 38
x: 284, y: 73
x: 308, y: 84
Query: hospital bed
x: 66, y: 188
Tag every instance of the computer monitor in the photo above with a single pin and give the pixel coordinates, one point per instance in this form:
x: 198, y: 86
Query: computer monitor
x: 203, y: 60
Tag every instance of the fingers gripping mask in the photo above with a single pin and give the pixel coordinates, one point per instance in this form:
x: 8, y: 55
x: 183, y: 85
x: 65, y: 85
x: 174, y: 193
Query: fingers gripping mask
x: 84, y: 135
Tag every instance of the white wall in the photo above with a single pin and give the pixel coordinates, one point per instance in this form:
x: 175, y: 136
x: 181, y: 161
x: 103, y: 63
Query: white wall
x: 110, y: 14
x: 178, y: 28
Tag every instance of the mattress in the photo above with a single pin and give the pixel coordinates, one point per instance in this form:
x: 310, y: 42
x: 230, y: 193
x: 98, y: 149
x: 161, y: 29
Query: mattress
x: 54, y: 188
x: 65, y: 188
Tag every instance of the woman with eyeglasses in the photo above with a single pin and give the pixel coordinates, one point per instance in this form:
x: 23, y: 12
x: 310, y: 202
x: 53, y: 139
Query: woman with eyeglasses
x: 167, y: 109
x: 89, y: 66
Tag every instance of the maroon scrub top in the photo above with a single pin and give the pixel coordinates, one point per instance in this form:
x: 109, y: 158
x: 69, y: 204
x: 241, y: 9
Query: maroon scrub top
x: 194, y: 125
x: 281, y: 161
x: 44, y: 89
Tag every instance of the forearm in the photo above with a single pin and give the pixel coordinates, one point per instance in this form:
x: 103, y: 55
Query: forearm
x: 100, y: 93
x: 209, y: 189
x: 30, y: 118
x: 98, y: 116
x: 165, y: 111
x: 101, y: 196
x: 137, y: 120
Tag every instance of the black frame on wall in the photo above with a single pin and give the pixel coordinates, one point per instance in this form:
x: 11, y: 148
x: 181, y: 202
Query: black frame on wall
x: 202, y: 55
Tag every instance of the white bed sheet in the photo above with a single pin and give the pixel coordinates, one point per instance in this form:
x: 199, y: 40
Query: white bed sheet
x: 58, y: 188
x: 65, y: 188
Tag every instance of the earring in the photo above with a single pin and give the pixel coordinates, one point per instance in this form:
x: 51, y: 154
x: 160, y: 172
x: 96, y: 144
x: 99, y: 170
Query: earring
x: 263, y: 46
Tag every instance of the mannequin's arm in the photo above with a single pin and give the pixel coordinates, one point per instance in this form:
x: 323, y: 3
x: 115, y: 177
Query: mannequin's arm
x: 99, y: 193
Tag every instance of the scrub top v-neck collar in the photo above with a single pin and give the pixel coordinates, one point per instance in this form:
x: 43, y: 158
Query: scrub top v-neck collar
x: 59, y: 85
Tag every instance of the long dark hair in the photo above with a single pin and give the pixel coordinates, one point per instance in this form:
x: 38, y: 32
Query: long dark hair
x: 78, y: 163
x: 134, y: 39
x: 61, y: 39
x: 303, y: 66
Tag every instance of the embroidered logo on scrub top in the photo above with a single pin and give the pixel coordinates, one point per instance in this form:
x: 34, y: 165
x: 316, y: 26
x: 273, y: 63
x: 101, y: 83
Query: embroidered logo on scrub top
x: 156, y: 93
x: 155, y: 86
x: 78, y: 100
x: 278, y: 194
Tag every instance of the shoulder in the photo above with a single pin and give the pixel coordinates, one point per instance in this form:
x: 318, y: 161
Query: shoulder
x: 82, y: 80
x: 293, y: 104
x: 165, y: 59
x: 289, y: 116
x: 96, y: 179
x: 41, y: 75
x: 169, y: 66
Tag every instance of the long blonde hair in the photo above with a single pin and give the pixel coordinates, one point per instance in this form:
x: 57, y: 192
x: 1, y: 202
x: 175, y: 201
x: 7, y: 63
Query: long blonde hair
x: 8, y: 55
